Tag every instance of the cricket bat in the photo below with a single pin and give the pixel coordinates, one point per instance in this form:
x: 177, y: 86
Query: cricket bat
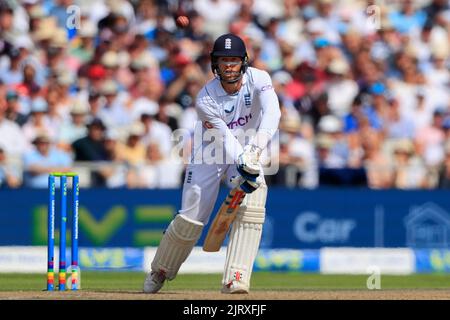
x: 223, y: 219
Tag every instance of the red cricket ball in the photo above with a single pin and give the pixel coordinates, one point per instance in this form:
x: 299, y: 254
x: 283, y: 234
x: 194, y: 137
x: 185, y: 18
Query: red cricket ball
x: 182, y: 21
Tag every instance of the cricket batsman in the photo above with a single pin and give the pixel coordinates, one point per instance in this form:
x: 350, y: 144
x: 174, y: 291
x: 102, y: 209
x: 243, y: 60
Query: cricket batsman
x: 239, y: 99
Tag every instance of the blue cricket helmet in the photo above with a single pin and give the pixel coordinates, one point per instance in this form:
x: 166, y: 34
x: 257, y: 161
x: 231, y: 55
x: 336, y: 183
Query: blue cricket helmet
x: 229, y: 45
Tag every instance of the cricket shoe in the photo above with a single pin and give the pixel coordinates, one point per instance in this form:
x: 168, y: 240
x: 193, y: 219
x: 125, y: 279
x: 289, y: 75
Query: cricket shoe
x: 154, y: 281
x: 235, y: 287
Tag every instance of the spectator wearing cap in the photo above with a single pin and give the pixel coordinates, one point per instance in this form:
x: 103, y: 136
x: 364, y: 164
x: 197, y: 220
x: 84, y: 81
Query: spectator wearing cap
x: 42, y: 160
x: 341, y: 88
x: 44, y: 31
x: 376, y: 162
x: 28, y: 87
x: 9, y: 176
x: 95, y: 103
x: 132, y: 151
x: 12, y: 139
x: 143, y: 69
x: 439, y: 74
x: 143, y: 105
x: 325, y: 52
x: 157, y: 132
x: 388, y: 42
x: 409, y: 170
x: 120, y: 23
x: 379, y: 104
x: 58, y: 107
x: 429, y: 140
x: 398, y: 126
x: 410, y: 77
x: 24, y: 44
x: 116, y: 173
x: 8, y: 27
x: 113, y: 112
x: 74, y: 128
x: 337, y: 152
x: 359, y: 114
x: 123, y: 73
x: 91, y: 148
x: 296, y: 159
x: 367, y: 71
x: 333, y: 160
x: 159, y: 171
x: 13, y: 108
x: 149, y: 175
x: 280, y: 79
x: 168, y: 113
x: 35, y: 13
x: 57, y: 58
x: 95, y: 73
x: 84, y: 50
x: 422, y: 114
x: 13, y: 75
x: 351, y: 44
x: 110, y: 61
x: 38, y: 121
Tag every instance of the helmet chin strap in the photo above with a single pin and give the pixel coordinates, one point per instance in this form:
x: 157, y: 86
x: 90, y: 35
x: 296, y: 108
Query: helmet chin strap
x: 230, y: 81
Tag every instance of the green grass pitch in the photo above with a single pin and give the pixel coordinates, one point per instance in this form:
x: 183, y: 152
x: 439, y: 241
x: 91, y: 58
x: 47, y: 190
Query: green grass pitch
x: 133, y: 281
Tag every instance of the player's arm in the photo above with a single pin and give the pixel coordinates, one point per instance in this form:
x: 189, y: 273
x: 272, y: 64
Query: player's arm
x: 248, y: 162
x: 270, y: 112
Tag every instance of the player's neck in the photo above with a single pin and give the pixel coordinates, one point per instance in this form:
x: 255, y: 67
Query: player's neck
x: 231, y: 88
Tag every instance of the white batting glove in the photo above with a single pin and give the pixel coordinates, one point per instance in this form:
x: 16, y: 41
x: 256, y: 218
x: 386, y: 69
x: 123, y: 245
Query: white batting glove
x: 248, y: 163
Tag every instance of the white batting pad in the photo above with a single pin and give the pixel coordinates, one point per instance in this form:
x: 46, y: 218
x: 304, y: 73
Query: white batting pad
x: 244, y: 241
x: 176, y: 245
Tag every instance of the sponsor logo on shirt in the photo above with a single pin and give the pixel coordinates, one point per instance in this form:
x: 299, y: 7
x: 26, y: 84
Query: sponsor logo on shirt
x: 229, y: 111
x: 240, y: 122
x: 268, y: 87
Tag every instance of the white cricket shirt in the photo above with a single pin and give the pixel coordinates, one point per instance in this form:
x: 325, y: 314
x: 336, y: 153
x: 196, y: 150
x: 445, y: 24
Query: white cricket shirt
x: 253, y: 109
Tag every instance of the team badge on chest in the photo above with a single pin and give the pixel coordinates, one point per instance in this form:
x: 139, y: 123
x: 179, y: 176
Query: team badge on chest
x: 247, y: 100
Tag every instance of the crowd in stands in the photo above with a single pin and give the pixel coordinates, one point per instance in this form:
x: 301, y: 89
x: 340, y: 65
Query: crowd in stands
x: 363, y: 85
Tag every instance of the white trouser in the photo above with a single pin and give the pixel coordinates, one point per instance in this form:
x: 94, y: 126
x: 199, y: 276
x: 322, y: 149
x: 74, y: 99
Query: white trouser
x: 201, y: 187
x: 200, y: 190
